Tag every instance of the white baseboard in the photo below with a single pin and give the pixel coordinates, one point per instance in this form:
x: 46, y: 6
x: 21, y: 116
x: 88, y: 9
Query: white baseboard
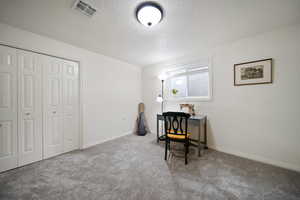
x: 258, y: 158
x: 106, y: 140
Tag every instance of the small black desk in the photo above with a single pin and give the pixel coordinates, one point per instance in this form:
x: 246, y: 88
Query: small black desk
x: 197, y: 120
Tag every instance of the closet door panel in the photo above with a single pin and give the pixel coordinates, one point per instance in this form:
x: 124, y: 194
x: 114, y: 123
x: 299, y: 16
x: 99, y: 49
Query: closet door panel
x: 8, y: 109
x: 70, y: 106
x: 30, y: 108
x: 54, y: 140
x: 53, y: 116
x: 6, y: 79
x: 6, y: 139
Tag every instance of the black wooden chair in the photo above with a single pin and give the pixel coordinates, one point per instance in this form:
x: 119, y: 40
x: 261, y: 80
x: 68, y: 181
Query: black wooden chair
x: 176, y: 130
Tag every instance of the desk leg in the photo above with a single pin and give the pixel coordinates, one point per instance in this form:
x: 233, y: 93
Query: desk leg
x: 199, y: 140
x: 157, y: 129
x: 205, y: 134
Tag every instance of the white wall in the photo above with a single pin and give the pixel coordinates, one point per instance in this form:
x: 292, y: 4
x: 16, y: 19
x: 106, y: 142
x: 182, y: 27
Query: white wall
x: 260, y: 122
x: 111, y: 89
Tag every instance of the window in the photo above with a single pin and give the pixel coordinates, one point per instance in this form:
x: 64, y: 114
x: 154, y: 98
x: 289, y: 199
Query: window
x: 178, y: 86
x: 190, y: 83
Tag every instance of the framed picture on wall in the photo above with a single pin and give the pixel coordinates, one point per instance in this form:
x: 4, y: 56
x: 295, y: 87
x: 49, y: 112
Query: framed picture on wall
x: 255, y: 72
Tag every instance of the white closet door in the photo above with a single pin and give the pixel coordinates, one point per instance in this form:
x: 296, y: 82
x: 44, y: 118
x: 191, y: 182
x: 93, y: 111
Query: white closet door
x: 30, y: 108
x: 53, y: 116
x: 70, y: 106
x: 8, y: 109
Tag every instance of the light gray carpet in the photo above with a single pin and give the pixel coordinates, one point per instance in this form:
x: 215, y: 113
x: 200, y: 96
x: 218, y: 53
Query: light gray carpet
x: 133, y: 168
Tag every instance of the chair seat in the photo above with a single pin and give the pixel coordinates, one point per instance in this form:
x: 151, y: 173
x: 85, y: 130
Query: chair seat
x: 178, y: 136
x: 178, y: 132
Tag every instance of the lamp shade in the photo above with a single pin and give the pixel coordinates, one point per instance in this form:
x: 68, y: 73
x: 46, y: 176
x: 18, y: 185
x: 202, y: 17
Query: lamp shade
x: 159, y: 99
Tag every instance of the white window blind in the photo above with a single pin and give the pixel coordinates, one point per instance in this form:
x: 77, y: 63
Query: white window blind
x: 190, y: 82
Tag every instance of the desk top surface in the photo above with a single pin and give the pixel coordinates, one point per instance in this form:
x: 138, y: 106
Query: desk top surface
x: 196, y: 117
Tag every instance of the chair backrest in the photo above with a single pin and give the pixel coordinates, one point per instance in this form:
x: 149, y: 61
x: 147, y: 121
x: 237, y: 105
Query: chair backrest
x: 177, y: 122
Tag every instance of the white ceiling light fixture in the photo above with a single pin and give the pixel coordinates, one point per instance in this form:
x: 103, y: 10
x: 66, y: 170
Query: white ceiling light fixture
x: 149, y: 13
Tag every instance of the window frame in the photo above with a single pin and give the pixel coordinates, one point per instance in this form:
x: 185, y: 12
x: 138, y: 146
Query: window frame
x: 187, y: 70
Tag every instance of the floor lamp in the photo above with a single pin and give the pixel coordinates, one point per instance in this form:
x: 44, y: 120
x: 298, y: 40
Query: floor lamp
x: 160, y: 97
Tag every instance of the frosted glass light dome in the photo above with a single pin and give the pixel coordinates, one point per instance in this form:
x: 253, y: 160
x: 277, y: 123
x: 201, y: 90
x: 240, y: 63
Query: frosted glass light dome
x: 149, y: 14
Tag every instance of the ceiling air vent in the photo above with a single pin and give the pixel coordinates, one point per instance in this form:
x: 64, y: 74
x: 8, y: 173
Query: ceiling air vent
x: 84, y: 8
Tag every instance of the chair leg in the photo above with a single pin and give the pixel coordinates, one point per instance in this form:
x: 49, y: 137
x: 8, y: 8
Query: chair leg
x: 186, y: 152
x: 166, y: 148
x: 188, y: 149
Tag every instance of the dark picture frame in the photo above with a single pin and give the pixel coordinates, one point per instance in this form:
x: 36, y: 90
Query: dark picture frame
x: 254, y: 72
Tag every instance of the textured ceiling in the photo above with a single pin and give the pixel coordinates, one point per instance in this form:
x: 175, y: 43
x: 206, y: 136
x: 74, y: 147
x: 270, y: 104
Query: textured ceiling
x: 189, y: 25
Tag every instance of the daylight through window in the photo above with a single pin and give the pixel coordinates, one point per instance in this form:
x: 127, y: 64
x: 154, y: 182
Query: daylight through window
x: 190, y: 82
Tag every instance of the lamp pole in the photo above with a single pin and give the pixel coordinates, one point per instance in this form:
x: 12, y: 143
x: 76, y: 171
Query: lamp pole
x: 162, y: 96
x: 162, y: 77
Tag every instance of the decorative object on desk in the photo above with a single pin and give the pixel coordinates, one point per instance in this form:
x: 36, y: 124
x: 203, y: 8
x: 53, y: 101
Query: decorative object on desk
x: 191, y: 108
x: 141, y: 124
x: 255, y: 72
x: 175, y: 91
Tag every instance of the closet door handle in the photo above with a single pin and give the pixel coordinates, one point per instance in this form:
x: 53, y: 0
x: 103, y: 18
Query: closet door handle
x: 0, y: 125
x: 27, y: 114
x: 54, y: 112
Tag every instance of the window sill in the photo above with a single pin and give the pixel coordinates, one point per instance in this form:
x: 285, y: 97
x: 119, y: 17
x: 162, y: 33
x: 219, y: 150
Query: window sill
x: 189, y: 99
